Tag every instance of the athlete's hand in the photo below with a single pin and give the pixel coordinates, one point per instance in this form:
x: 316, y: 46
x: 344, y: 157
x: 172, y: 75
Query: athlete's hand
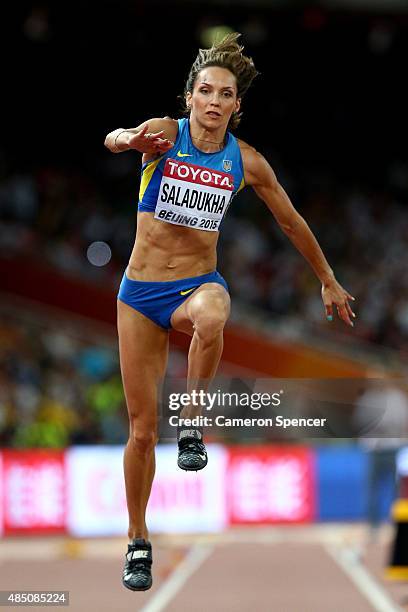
x: 333, y: 293
x: 146, y: 142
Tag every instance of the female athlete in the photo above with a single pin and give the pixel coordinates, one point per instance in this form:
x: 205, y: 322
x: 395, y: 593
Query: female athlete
x: 192, y: 168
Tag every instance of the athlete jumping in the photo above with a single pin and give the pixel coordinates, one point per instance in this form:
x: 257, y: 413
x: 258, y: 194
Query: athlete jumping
x: 192, y: 168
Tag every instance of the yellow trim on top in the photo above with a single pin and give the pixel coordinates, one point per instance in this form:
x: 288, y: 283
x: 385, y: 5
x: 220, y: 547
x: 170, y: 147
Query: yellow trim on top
x: 242, y: 185
x: 147, y: 177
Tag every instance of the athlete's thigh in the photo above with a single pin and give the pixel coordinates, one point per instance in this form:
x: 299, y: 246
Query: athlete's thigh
x: 209, y: 298
x: 143, y: 350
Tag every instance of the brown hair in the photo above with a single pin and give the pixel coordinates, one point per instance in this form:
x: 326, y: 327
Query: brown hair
x: 226, y: 53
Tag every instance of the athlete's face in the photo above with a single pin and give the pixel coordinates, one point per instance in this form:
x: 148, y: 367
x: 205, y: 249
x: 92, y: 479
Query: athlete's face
x: 214, y: 97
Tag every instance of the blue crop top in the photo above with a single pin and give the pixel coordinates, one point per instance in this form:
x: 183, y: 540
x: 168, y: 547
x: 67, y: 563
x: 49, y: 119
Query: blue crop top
x: 189, y: 187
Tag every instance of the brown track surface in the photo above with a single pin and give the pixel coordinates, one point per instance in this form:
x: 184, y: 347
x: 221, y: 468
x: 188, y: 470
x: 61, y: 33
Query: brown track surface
x: 246, y: 571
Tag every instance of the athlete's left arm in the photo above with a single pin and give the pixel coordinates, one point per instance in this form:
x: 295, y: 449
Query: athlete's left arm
x: 259, y: 174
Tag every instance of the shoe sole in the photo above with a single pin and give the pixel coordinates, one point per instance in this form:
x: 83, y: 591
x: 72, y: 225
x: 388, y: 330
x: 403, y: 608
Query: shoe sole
x: 135, y: 589
x: 192, y: 469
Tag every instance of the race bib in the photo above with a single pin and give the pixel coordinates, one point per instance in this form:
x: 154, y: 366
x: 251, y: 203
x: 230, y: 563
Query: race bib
x: 193, y: 196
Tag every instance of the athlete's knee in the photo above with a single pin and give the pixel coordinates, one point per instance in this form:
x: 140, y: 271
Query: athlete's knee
x: 210, y: 323
x: 143, y: 438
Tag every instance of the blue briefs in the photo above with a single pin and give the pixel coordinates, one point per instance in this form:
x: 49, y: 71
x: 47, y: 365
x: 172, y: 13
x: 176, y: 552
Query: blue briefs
x: 157, y: 300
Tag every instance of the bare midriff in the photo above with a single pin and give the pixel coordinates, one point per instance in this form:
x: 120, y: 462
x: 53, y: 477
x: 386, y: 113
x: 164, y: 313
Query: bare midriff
x: 166, y: 252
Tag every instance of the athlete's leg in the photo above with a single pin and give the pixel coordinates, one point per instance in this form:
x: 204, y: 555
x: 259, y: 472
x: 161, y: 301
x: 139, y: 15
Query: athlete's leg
x: 203, y: 315
x: 143, y: 348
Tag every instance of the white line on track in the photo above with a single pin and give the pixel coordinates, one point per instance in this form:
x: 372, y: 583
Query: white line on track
x: 348, y: 560
x: 186, y: 568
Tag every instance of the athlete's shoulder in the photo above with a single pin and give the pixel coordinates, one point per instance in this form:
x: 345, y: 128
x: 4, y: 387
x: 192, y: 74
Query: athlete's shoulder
x: 244, y: 145
x: 256, y: 168
x: 250, y: 156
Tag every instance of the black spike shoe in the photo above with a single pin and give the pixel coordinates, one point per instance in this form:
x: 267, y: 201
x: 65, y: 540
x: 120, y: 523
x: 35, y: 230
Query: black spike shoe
x: 192, y: 454
x: 137, y: 573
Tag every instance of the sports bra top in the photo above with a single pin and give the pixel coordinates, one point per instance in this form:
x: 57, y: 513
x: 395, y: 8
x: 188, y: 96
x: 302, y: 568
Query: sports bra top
x: 189, y: 187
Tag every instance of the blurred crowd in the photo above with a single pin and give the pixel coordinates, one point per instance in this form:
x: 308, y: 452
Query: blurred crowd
x: 60, y: 385
x: 54, y: 214
x: 336, y: 140
x: 57, y: 388
x: 335, y: 136
x: 60, y: 382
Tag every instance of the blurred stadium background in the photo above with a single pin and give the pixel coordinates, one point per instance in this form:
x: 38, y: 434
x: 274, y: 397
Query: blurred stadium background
x: 289, y: 525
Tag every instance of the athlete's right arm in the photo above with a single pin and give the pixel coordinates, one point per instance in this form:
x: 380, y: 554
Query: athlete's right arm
x: 152, y: 136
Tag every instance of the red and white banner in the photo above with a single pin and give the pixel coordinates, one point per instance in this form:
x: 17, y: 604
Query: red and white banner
x: 270, y: 485
x: 82, y: 490
x: 179, y: 501
x: 34, y: 491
